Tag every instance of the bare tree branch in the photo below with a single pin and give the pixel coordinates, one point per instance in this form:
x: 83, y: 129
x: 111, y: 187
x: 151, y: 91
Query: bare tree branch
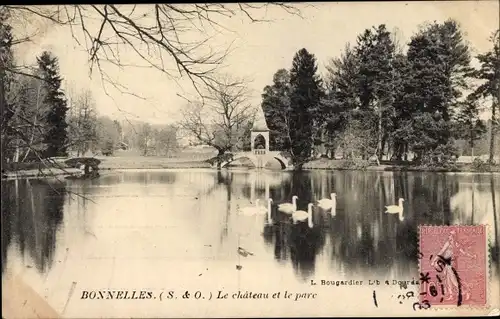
x: 153, y: 32
x: 220, y: 121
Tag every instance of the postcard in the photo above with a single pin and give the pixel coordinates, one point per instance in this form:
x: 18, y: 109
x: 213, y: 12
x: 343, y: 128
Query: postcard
x: 289, y: 159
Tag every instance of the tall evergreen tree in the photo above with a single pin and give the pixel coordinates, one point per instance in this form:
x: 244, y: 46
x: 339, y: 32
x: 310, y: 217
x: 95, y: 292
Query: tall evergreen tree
x: 305, y: 97
x: 56, y: 136
x: 403, y: 112
x: 276, y: 107
x: 489, y: 72
x: 376, y: 54
x: 439, y: 60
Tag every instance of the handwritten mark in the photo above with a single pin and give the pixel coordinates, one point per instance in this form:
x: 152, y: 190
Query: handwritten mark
x: 424, y: 278
x: 459, y: 281
x: 421, y: 305
x: 440, y: 263
x: 433, y: 290
x: 375, y: 299
x: 442, y: 287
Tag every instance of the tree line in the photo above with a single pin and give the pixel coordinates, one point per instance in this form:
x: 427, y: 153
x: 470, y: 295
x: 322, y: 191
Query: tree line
x: 89, y: 132
x: 35, y: 116
x: 41, y: 120
x: 381, y: 99
x: 166, y: 21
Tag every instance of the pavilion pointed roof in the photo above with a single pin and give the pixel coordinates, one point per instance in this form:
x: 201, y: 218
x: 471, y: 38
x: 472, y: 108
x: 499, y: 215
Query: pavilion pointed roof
x: 260, y: 125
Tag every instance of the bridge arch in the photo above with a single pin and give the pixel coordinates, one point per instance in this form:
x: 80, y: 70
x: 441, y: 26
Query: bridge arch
x: 283, y: 162
x: 250, y: 157
x: 260, y: 160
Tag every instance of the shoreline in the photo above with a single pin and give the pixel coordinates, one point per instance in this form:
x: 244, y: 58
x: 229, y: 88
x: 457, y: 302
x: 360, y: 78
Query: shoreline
x: 124, y: 163
x: 58, y: 171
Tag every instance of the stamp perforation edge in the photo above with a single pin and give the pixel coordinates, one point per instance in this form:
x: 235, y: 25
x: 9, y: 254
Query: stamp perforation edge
x: 487, y: 305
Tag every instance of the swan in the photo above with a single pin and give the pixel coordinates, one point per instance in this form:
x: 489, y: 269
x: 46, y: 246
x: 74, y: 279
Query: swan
x: 396, y: 209
x: 252, y: 210
x: 300, y: 216
x: 261, y: 209
x: 288, y: 208
x: 327, y: 203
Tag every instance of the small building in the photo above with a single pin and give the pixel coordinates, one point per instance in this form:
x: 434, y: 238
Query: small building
x: 260, y: 134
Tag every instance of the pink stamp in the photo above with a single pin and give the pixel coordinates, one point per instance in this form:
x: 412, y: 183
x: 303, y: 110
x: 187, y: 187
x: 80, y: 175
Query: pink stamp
x: 453, y: 265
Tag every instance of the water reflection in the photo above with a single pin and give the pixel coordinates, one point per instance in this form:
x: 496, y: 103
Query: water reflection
x: 32, y: 211
x: 196, y: 209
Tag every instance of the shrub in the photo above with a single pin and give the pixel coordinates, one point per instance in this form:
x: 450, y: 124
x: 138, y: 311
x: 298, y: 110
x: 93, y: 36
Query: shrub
x: 480, y: 165
x: 356, y: 164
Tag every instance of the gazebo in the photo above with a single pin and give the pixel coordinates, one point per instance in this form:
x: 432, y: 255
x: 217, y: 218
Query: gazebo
x: 260, y: 134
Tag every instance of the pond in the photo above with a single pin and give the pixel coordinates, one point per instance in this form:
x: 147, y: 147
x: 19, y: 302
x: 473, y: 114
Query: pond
x: 180, y: 230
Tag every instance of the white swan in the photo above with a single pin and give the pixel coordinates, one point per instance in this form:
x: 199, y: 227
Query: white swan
x: 252, y: 210
x: 326, y: 203
x: 396, y: 209
x: 300, y: 216
x: 288, y: 208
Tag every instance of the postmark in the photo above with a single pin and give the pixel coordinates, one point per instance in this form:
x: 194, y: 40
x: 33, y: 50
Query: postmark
x: 453, y: 266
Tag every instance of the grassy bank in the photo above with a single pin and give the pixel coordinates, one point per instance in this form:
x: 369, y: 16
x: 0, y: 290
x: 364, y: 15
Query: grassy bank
x: 191, y: 158
x: 330, y: 164
x: 149, y: 163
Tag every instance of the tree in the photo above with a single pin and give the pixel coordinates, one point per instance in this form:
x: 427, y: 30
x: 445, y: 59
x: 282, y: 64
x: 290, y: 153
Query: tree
x: 276, y: 107
x: 376, y: 52
x: 82, y: 123
x: 119, y: 130
x: 438, y: 61
x: 357, y: 137
x: 26, y: 96
x: 220, y: 122
x: 342, y: 96
x: 165, y: 140
x: 305, y: 97
x: 156, y: 33
x: 469, y: 126
x: 56, y: 135
x: 145, y: 138
x: 107, y: 133
x: 489, y: 73
x: 6, y: 62
x: 402, y: 121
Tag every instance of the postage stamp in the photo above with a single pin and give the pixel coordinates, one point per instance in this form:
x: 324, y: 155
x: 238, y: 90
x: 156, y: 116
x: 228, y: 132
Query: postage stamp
x: 453, y: 265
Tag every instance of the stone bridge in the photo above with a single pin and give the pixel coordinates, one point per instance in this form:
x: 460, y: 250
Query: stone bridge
x: 259, y: 158
x: 259, y: 153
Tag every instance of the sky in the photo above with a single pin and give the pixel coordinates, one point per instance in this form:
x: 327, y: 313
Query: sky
x: 258, y: 49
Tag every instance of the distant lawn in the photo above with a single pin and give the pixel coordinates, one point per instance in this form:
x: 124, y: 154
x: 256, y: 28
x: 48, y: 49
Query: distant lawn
x: 186, y: 158
x: 186, y: 154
